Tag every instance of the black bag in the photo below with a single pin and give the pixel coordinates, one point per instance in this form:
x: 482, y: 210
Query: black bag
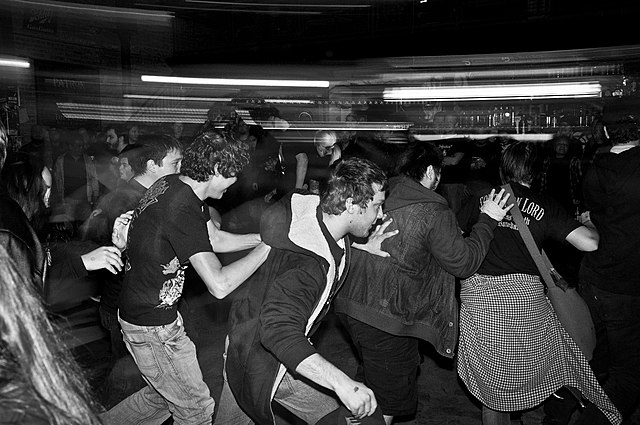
x: 571, y: 309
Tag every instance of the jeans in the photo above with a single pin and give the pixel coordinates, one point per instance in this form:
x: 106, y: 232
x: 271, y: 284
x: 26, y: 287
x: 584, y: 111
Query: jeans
x: 294, y: 394
x: 123, y: 377
x: 167, y: 359
x: 617, y: 354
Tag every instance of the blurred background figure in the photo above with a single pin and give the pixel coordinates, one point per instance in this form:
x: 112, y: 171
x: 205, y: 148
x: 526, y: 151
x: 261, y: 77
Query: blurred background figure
x: 455, y: 168
x: 133, y: 133
x: 76, y: 180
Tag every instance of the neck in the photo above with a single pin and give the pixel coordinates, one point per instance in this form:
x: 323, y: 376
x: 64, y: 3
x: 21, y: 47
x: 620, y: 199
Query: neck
x: 199, y: 188
x: 335, y: 225
x: 146, y: 180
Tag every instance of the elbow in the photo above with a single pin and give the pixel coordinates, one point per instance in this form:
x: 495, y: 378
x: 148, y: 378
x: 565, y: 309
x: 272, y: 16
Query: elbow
x: 591, y: 244
x: 220, y: 289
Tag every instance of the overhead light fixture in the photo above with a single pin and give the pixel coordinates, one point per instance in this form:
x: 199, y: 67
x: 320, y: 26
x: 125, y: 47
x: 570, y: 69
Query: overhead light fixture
x: 494, y: 92
x: 97, y: 9
x: 294, y: 5
x: 181, y: 98
x: 15, y: 63
x: 289, y: 101
x: 128, y: 113
x: 233, y: 81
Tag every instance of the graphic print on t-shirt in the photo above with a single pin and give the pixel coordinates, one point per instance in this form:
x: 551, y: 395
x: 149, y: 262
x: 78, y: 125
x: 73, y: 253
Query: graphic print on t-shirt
x: 151, y: 195
x: 172, y: 288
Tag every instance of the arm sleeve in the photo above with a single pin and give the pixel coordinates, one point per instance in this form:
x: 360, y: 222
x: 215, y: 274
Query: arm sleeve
x: 458, y: 255
x: 66, y: 261
x: 286, y: 309
x: 187, y: 232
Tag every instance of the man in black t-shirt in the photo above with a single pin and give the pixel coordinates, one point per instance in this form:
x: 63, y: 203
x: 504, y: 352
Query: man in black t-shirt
x: 171, y: 229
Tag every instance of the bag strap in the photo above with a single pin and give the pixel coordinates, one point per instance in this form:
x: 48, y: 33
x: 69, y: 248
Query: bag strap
x: 543, y: 267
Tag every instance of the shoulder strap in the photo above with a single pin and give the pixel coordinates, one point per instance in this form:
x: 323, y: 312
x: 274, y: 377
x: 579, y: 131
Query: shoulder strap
x: 543, y: 267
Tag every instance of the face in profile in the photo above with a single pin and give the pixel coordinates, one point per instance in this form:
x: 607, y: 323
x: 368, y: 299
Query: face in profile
x: 126, y: 172
x: 364, y: 218
x: 170, y: 163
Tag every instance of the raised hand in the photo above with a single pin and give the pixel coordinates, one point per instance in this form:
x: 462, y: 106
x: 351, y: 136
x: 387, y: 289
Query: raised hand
x: 374, y: 242
x: 494, y: 205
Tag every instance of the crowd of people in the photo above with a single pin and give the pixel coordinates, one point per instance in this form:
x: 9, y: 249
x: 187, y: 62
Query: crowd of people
x: 404, y: 242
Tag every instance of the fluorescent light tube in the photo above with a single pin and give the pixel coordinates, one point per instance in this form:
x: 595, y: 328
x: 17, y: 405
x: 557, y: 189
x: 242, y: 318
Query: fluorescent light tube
x: 490, y: 92
x: 233, y: 81
x: 16, y: 63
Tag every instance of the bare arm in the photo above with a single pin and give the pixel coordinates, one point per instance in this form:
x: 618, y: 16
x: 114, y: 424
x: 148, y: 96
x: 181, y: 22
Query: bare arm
x: 584, y: 238
x: 358, y: 398
x: 222, y: 241
x: 221, y: 281
x: 302, y: 162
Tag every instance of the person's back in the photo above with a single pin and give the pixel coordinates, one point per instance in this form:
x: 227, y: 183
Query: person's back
x: 609, y: 278
x: 612, y: 197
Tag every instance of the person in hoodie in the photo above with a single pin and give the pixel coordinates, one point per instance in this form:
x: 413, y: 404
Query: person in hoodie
x: 388, y: 304
x: 270, y: 356
x: 609, y: 279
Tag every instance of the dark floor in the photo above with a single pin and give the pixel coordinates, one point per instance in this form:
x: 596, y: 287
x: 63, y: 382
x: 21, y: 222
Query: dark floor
x: 442, y: 397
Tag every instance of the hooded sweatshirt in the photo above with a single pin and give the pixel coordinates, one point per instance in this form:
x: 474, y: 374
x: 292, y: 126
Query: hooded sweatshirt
x: 412, y: 292
x: 276, y: 311
x: 612, y: 195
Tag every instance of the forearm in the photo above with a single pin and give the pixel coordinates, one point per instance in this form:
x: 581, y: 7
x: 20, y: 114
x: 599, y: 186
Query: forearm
x: 322, y: 372
x: 224, y: 280
x: 301, y: 170
x: 231, y: 242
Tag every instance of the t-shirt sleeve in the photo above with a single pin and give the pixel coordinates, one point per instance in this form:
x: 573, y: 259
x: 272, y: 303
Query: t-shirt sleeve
x: 561, y: 223
x: 187, y: 232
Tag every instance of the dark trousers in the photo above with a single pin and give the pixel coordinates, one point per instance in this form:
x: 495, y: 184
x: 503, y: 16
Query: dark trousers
x: 389, y: 366
x: 617, y: 356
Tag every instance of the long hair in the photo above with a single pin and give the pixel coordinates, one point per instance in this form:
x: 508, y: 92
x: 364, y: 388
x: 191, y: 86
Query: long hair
x: 519, y: 163
x: 38, y: 374
x: 22, y: 179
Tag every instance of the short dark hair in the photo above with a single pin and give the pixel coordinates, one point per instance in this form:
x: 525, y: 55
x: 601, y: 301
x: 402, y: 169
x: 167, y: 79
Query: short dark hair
x: 519, y: 163
x: 214, y: 148
x: 418, y: 157
x: 351, y: 178
x: 152, y: 147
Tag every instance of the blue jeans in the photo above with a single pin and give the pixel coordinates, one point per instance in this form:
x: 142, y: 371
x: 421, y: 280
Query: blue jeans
x: 123, y: 377
x: 295, y: 395
x: 617, y: 354
x: 167, y: 360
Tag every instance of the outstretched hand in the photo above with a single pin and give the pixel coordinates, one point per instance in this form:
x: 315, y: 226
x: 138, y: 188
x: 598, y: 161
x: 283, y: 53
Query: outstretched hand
x: 495, y: 205
x: 374, y: 242
x: 121, y: 230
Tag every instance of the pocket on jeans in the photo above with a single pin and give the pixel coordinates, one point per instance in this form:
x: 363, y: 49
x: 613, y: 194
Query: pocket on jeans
x: 146, y: 360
